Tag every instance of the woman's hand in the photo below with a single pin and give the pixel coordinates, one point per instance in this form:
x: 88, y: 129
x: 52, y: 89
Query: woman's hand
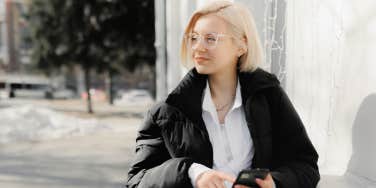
x: 266, y: 183
x: 213, y: 179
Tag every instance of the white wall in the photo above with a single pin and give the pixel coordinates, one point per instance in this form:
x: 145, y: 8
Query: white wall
x: 330, y: 71
x: 177, y: 16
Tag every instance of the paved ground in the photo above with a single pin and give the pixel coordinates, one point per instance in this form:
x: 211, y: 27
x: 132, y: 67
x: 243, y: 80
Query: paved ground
x: 98, y: 160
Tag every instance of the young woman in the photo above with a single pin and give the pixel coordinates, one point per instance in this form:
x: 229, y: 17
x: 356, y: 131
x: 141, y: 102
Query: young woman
x: 225, y: 115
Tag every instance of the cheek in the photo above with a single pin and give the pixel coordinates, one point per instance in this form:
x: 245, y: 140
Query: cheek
x: 220, y: 55
x: 224, y: 56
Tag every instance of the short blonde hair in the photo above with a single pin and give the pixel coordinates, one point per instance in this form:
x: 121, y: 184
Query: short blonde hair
x: 242, y: 25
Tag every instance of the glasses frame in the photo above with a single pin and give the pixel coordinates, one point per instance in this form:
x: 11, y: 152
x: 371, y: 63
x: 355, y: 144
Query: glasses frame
x: 205, y: 44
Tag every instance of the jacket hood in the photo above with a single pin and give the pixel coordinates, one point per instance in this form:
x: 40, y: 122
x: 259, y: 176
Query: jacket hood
x: 188, y: 95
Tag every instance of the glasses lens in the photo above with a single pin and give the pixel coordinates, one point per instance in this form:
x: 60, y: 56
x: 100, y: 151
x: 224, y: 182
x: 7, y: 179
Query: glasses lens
x: 192, y: 39
x: 211, y: 40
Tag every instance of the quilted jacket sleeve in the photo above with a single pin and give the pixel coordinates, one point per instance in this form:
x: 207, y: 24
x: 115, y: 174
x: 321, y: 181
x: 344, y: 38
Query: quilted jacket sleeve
x: 295, y: 156
x: 152, y: 165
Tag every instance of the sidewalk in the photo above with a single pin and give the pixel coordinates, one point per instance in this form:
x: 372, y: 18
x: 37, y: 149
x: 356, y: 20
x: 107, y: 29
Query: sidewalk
x: 99, y: 160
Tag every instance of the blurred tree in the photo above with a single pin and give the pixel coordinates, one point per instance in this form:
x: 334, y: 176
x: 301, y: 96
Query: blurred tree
x: 103, y: 35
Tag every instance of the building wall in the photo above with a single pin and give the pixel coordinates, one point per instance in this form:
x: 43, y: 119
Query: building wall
x: 3, y: 41
x: 331, y: 74
x: 177, y: 16
x: 14, y: 49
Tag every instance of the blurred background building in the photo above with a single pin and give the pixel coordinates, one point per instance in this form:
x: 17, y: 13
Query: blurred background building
x: 14, y: 47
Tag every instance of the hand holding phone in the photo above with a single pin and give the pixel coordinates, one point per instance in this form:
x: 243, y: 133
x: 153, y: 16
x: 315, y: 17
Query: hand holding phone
x: 248, y: 177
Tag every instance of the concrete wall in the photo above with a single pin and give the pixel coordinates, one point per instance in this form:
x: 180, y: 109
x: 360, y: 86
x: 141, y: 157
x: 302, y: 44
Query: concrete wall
x: 177, y: 16
x: 331, y: 79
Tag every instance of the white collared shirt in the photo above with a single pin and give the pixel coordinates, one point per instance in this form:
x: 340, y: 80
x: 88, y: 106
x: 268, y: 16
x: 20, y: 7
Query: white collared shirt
x: 232, y: 143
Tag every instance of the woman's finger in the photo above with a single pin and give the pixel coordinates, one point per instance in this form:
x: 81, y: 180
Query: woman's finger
x: 269, y: 177
x: 261, y: 183
x: 266, y: 183
x: 219, y: 183
x: 226, y: 177
x: 211, y: 185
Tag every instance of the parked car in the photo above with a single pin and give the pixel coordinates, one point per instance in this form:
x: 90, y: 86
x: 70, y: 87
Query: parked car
x: 133, y: 97
x: 24, y: 86
x: 62, y: 93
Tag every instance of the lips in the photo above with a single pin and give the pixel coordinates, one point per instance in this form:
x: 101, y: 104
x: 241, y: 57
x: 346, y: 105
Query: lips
x: 200, y: 59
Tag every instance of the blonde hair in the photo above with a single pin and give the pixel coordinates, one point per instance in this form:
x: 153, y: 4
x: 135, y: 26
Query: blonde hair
x: 242, y: 25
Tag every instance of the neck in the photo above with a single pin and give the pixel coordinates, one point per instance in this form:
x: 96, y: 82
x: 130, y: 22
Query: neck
x: 223, y: 85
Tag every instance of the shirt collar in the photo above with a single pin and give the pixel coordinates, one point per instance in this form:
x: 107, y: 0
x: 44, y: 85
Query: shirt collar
x: 208, y: 104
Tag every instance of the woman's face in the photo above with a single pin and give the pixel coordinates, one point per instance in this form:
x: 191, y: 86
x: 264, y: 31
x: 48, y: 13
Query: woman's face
x: 213, y: 49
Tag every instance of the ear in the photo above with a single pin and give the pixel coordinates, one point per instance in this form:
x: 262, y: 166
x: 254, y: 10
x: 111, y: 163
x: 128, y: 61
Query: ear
x: 241, y: 51
x: 243, y: 47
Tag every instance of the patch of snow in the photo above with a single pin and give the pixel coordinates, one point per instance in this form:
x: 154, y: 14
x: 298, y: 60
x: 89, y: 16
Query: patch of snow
x: 29, y: 123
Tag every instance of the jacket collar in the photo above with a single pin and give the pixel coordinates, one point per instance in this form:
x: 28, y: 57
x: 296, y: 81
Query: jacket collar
x: 188, y: 95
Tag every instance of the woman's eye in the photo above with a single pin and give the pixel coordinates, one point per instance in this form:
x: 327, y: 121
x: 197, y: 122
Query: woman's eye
x: 210, y: 39
x: 194, y: 38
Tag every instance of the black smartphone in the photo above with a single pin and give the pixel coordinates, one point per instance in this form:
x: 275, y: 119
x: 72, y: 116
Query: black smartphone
x: 248, y: 177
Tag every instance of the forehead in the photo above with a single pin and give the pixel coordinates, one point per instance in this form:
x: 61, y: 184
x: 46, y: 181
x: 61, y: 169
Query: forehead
x: 210, y: 24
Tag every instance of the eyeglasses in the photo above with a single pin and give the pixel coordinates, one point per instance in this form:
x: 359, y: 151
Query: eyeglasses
x: 210, y: 40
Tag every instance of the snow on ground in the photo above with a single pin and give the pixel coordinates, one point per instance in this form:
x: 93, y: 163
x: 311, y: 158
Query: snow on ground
x: 30, y: 123
x: 100, y: 158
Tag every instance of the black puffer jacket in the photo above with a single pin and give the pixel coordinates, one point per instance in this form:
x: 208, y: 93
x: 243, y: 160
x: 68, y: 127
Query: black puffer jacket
x: 174, y: 136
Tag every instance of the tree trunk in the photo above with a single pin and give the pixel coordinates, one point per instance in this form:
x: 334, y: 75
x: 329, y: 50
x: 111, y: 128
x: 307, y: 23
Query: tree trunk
x: 110, y: 87
x: 87, y: 87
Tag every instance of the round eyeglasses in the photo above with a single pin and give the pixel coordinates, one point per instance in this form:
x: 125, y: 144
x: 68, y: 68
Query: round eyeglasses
x: 209, y: 41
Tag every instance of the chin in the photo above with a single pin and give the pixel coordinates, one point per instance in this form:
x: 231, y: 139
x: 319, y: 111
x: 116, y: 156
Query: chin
x: 202, y: 69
